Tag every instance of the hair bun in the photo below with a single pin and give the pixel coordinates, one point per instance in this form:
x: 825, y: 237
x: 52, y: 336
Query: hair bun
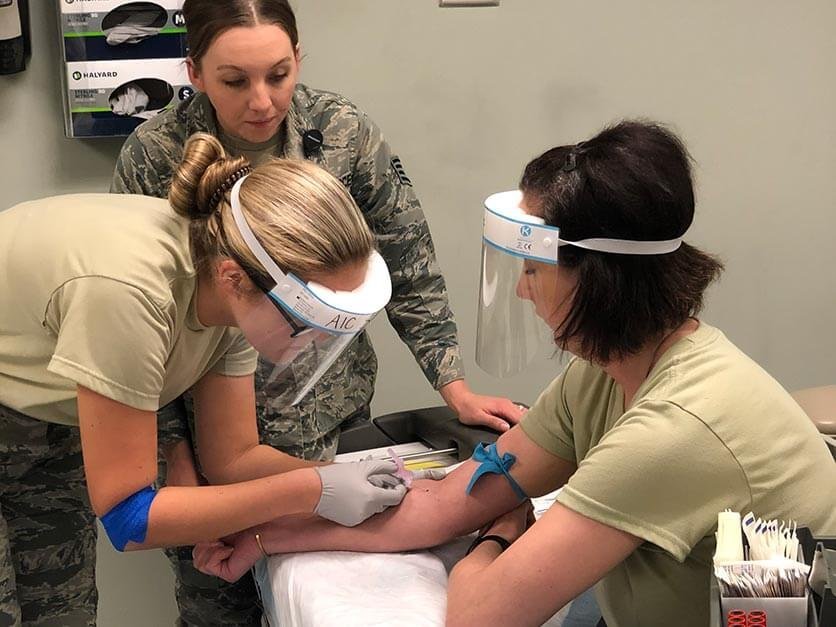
x: 202, y: 177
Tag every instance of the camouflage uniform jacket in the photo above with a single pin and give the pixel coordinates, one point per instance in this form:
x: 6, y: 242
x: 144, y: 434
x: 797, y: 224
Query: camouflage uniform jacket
x: 354, y: 151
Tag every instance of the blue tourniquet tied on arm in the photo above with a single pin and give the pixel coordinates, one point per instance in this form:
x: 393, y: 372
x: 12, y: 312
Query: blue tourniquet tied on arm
x: 128, y: 520
x: 492, y: 463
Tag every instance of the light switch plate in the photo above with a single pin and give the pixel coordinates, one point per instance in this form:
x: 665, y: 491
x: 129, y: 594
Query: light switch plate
x: 468, y: 3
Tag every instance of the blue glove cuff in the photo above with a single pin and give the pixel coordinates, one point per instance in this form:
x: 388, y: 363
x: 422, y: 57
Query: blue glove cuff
x: 492, y: 463
x: 128, y: 520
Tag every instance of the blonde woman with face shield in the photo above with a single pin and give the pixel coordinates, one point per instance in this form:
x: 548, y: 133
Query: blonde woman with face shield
x: 245, y: 60
x: 656, y: 425
x: 123, y: 302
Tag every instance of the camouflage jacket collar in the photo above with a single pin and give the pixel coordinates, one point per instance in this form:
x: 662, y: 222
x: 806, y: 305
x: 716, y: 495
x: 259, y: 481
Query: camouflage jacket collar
x: 198, y: 115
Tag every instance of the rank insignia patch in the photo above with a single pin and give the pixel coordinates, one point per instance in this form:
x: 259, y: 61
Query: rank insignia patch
x: 397, y: 166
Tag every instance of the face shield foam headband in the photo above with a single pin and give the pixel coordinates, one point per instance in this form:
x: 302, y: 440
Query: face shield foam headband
x: 509, y: 333
x: 297, y: 317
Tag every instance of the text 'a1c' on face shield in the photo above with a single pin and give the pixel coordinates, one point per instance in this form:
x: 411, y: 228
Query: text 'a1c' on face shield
x: 508, y: 332
x: 307, y: 323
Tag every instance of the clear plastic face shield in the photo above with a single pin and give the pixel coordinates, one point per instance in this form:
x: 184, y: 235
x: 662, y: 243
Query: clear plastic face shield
x: 518, y: 290
x: 296, y: 317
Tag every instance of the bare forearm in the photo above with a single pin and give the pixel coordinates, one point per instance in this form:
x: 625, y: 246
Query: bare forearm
x: 259, y: 461
x: 466, y: 580
x: 467, y: 585
x: 186, y: 515
x: 432, y: 513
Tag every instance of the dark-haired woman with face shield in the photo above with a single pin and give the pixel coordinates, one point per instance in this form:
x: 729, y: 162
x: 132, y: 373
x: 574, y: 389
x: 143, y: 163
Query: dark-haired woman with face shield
x: 655, y: 426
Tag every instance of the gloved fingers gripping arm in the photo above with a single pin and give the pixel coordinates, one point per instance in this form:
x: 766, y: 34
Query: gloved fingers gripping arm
x: 429, y: 474
x: 391, y: 481
x: 385, y: 481
x: 348, y: 495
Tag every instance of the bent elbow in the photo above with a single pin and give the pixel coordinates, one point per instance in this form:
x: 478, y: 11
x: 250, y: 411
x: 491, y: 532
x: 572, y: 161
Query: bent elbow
x: 220, y: 475
x: 214, y: 477
x: 226, y: 469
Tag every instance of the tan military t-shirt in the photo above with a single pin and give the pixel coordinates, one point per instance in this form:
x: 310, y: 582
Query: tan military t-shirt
x: 708, y: 430
x: 98, y: 291
x: 256, y: 153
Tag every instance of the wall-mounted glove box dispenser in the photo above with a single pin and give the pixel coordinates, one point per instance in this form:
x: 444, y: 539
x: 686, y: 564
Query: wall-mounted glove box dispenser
x: 107, y: 98
x: 123, y: 63
x: 104, y: 30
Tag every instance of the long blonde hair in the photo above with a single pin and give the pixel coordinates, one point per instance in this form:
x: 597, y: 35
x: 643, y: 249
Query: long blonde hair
x: 303, y: 216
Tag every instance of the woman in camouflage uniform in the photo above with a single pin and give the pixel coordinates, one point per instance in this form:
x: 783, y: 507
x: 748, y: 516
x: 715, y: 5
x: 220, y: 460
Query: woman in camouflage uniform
x: 244, y: 59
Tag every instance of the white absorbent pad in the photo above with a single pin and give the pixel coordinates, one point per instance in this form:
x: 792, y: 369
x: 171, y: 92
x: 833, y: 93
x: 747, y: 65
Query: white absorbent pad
x: 346, y: 589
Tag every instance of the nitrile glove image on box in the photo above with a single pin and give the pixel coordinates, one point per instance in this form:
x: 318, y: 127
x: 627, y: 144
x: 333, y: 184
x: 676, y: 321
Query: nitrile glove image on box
x: 143, y: 97
x: 133, y: 22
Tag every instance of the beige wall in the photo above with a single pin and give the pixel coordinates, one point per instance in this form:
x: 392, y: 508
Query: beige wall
x: 467, y: 96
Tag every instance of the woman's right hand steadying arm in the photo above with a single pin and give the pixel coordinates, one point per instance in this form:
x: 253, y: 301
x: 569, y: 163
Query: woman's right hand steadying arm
x: 119, y: 446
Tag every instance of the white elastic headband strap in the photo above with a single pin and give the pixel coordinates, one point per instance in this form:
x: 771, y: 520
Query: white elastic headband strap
x: 249, y: 237
x: 509, y: 228
x: 626, y: 246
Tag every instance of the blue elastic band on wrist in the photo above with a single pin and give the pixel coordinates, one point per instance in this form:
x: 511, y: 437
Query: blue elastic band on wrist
x: 491, y: 463
x: 128, y: 520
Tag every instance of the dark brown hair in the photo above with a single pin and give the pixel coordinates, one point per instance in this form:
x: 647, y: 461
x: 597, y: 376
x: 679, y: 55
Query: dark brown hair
x: 206, y: 19
x: 631, y: 181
